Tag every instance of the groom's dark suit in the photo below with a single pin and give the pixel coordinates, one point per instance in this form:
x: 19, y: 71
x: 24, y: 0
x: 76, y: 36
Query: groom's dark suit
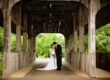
x: 58, y: 51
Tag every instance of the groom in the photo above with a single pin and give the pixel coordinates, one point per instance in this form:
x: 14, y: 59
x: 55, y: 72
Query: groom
x: 58, y: 51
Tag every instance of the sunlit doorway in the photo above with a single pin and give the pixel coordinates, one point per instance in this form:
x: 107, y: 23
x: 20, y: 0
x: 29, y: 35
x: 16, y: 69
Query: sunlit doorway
x: 43, y: 45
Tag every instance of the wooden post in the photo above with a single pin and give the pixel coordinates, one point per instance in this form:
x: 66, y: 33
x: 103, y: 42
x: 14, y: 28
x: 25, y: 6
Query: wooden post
x: 81, y: 40
x: 25, y: 48
x: 25, y: 42
x: 31, y: 48
x: 67, y: 50
x: 25, y: 34
x: 31, y: 42
x: 75, y: 44
x: 91, y: 39
x: 18, y: 31
x: 18, y: 38
x: 7, y: 38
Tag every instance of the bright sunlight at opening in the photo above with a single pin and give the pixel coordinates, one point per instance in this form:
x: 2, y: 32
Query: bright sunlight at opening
x: 44, y: 41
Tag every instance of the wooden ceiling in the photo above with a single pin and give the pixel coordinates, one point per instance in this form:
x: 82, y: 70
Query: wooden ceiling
x: 51, y: 16
x: 54, y: 16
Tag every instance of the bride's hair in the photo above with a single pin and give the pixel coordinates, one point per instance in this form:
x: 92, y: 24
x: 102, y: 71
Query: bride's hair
x: 54, y: 42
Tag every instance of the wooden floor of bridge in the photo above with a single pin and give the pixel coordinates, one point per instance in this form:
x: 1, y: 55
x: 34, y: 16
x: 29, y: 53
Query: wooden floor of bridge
x: 67, y: 73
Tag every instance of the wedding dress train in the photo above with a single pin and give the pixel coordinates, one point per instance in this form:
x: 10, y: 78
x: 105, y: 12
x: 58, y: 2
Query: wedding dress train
x: 52, y: 62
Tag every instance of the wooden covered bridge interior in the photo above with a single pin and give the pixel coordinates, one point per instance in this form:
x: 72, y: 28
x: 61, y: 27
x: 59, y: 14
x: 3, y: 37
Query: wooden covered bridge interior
x: 72, y: 18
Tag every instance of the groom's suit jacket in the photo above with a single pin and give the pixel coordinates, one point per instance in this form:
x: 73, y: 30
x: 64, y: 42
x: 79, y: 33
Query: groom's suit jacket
x: 58, y: 51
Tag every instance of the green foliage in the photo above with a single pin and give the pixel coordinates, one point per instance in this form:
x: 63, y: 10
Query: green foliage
x: 1, y: 68
x: 13, y: 44
x: 86, y: 42
x: 1, y: 64
x: 1, y: 50
x: 13, y: 38
x: 13, y: 41
x: 102, y: 39
x: 1, y: 39
x: 44, y: 41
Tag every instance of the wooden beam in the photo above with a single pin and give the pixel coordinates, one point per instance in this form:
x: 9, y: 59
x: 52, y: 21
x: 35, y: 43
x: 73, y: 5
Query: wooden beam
x: 18, y: 38
x: 31, y: 49
x: 53, y: 2
x: 7, y: 38
x: 54, y: 8
x: 25, y: 34
x: 81, y: 39
x: 91, y: 39
x: 18, y: 30
x: 75, y: 44
x: 25, y: 41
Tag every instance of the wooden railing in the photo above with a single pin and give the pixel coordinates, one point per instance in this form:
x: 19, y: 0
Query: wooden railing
x: 103, y: 60
x: 79, y: 61
x: 17, y: 61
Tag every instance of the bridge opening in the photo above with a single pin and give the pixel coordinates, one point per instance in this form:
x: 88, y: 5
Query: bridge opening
x: 44, y: 43
x: 102, y: 40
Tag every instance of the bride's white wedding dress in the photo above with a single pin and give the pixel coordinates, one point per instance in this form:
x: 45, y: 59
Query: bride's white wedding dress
x: 52, y: 62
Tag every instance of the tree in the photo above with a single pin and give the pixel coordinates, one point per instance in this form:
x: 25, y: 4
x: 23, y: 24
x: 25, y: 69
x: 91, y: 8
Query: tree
x: 43, y: 43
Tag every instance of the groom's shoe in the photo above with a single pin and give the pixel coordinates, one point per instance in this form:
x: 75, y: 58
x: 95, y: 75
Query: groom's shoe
x: 58, y: 69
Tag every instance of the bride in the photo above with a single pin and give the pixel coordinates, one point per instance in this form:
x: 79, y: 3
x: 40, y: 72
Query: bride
x: 52, y: 62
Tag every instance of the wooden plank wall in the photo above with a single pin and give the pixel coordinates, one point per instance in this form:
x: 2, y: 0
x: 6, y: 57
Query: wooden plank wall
x: 17, y: 61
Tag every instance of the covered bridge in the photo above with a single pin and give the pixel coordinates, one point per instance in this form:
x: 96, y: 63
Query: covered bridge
x: 72, y: 18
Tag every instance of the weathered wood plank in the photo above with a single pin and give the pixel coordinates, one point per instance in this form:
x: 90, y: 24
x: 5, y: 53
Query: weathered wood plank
x: 7, y: 37
x: 81, y: 38
x: 91, y: 38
